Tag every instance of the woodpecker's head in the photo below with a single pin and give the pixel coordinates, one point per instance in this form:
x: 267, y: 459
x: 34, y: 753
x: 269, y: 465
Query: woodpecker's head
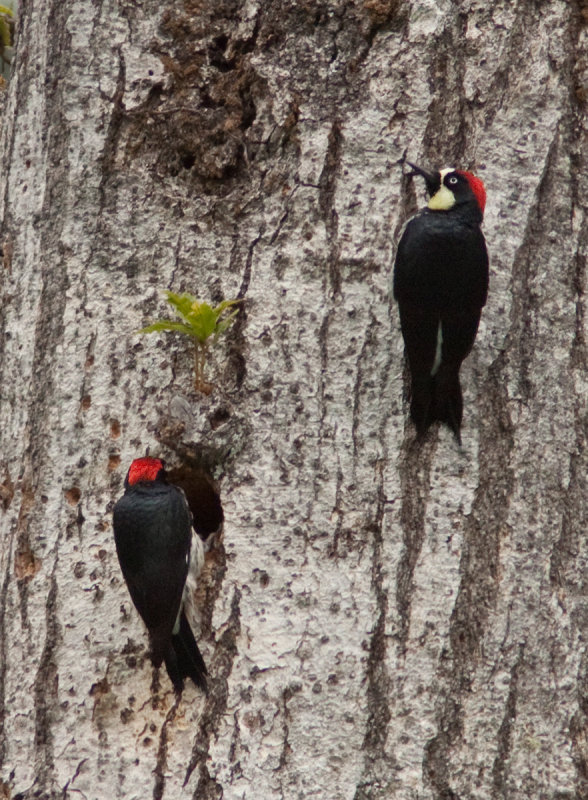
x: 145, y: 470
x: 451, y: 187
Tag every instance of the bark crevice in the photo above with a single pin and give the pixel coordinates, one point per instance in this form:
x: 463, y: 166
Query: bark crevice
x: 479, y: 584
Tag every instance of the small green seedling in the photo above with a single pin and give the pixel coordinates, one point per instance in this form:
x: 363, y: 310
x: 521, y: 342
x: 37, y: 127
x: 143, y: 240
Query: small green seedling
x: 201, y: 322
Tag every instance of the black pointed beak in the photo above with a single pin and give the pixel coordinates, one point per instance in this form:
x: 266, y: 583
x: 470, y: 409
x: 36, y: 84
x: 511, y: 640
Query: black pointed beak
x: 432, y: 179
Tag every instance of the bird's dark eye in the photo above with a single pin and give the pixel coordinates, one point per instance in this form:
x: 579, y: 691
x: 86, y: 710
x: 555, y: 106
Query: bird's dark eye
x: 452, y: 180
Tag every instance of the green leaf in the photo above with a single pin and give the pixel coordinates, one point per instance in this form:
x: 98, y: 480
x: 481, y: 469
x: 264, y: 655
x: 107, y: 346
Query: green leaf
x: 202, y: 321
x: 182, y: 303
x: 4, y: 32
x: 5, y: 10
x: 226, y: 304
x: 224, y: 324
x: 167, y: 325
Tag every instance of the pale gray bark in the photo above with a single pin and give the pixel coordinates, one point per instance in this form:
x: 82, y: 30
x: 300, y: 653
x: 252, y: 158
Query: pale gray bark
x: 381, y: 619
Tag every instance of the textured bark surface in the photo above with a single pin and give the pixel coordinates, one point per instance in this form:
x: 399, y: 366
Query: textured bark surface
x: 380, y: 618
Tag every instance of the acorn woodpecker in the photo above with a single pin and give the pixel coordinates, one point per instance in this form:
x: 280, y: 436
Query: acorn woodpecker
x: 160, y: 556
x: 441, y: 283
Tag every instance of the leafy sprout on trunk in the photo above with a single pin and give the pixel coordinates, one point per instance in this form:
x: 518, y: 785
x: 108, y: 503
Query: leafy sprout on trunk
x: 6, y: 31
x: 201, y: 323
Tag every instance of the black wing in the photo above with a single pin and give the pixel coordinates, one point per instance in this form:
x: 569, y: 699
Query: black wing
x: 152, y: 530
x: 441, y: 284
x: 441, y: 261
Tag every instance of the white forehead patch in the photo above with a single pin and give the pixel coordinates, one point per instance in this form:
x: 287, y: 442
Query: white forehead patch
x: 445, y: 172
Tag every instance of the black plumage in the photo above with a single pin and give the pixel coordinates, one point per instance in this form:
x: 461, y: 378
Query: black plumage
x: 441, y: 284
x: 153, y: 536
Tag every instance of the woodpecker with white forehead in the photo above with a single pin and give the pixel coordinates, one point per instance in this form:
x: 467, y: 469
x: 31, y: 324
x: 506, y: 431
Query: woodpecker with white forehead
x: 441, y: 284
x: 160, y: 556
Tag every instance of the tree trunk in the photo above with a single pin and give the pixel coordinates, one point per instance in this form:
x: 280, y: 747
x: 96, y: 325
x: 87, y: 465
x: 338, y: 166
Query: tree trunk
x: 381, y: 618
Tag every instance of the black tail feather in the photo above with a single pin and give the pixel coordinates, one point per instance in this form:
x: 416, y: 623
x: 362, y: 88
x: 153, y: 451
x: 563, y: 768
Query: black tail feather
x: 447, y: 405
x: 420, y: 403
x: 183, y: 659
x: 437, y: 398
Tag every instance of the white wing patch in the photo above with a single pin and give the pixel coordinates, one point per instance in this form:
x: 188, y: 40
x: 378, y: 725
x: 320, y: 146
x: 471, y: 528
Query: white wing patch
x: 437, y: 361
x: 195, y: 565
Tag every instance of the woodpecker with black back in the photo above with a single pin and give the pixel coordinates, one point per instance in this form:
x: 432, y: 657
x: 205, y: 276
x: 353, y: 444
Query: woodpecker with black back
x: 160, y: 556
x: 441, y: 284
